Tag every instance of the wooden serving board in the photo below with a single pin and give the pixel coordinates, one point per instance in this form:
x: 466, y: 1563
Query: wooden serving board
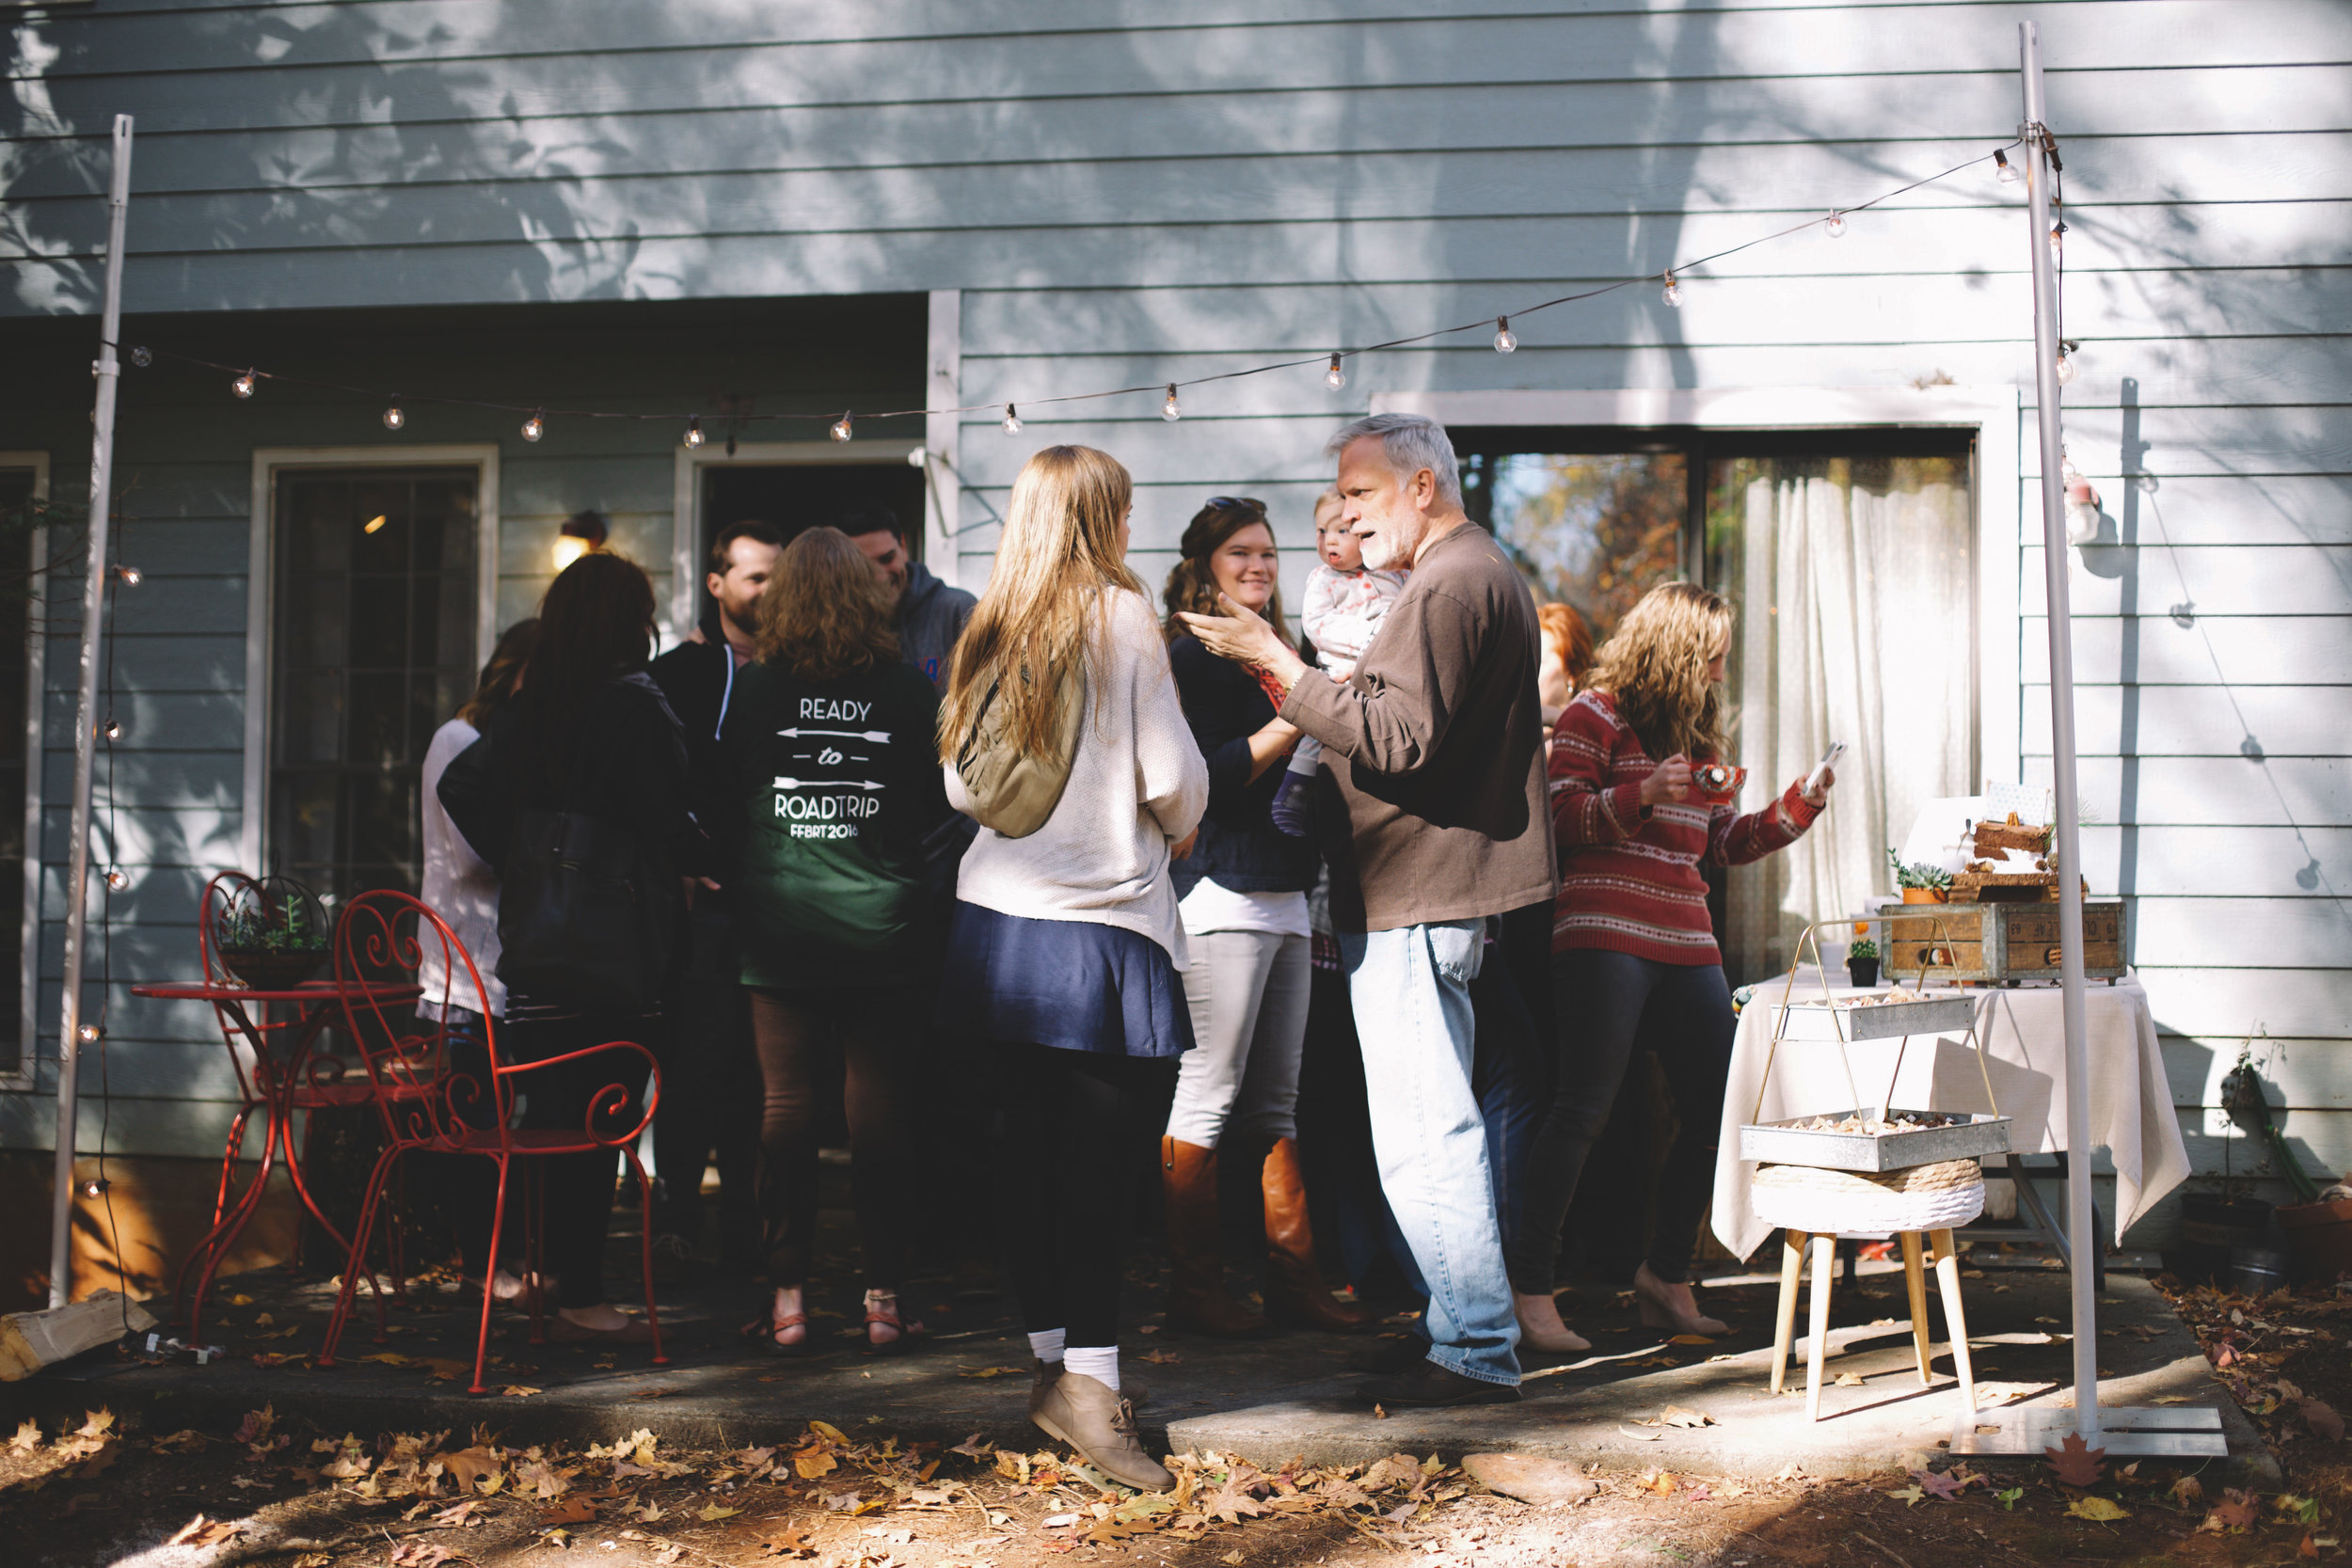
x: 1997, y: 941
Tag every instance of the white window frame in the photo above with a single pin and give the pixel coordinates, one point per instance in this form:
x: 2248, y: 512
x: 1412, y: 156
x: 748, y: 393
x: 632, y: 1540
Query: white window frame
x: 686, y: 501
x: 36, y: 699
x: 261, y: 586
x: 1995, y: 415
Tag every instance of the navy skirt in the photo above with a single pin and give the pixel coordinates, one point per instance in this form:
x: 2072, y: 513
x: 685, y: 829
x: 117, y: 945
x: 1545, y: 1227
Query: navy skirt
x: 1076, y: 985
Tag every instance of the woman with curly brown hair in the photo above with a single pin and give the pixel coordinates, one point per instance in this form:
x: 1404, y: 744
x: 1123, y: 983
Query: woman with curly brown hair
x: 827, y: 745
x: 1635, y: 961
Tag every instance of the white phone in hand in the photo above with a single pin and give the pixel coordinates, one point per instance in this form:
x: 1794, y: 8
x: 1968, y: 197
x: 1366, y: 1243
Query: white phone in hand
x: 1829, y: 760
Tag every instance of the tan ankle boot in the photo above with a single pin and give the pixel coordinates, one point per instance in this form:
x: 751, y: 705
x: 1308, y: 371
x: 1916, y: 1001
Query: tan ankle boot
x: 1295, y: 1288
x: 1092, y: 1418
x: 1196, y: 1298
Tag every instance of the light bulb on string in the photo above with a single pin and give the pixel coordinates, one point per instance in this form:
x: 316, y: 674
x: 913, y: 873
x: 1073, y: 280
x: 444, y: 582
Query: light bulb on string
x: 112, y: 730
x: 1674, y: 289
x: 142, y: 356
x: 1835, y: 224
x: 243, y: 385
x: 1170, y: 409
x: 1505, y: 339
x: 1336, y: 377
x: 89, y: 1034
x: 694, y: 432
x: 534, y: 427
x: 130, y: 577
x: 2058, y: 243
x: 117, y: 879
x: 393, y: 418
x: 1012, y: 420
x: 2003, y: 169
x: 2067, y: 369
x: 841, y: 427
x: 94, y: 1188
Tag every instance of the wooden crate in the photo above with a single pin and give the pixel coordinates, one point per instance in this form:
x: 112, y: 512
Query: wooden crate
x: 1997, y: 941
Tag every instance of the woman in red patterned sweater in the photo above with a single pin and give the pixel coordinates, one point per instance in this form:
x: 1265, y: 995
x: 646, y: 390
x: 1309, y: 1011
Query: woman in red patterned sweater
x: 1635, y: 961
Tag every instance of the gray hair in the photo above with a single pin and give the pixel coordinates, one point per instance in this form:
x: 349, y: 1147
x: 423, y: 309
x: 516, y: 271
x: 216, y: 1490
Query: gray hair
x: 1410, y: 442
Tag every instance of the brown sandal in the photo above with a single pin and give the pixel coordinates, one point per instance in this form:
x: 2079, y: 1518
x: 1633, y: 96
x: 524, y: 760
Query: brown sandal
x: 765, y: 1328
x: 908, y: 1332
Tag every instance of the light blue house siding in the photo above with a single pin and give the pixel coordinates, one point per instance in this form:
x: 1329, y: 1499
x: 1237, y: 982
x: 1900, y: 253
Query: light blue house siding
x: 1097, y: 194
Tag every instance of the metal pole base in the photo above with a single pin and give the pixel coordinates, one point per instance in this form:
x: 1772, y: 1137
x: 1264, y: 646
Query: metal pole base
x: 2128, y: 1432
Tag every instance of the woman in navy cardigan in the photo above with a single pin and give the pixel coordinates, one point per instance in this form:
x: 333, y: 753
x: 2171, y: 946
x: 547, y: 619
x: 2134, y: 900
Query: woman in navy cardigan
x: 1243, y: 903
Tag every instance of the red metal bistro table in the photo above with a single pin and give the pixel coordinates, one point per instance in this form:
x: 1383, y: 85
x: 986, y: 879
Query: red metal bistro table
x: 284, y: 1080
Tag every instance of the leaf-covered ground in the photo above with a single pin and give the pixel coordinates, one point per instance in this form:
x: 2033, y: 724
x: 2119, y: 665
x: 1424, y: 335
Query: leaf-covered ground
x: 278, y: 1491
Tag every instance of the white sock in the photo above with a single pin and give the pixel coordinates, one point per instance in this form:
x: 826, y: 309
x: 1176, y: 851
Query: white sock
x: 1099, y: 1362
x: 1047, y: 1346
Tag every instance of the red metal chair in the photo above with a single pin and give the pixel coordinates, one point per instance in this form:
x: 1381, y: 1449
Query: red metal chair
x: 386, y: 935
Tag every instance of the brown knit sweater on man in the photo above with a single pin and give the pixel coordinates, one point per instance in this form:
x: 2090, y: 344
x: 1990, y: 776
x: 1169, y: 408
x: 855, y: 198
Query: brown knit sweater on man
x: 1435, y: 746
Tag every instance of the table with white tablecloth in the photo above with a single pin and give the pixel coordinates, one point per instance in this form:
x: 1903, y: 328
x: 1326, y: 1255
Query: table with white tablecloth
x: 2024, y: 1038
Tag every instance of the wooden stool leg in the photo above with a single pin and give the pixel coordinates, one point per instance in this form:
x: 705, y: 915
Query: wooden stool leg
x: 1791, y: 1281
x: 1955, y: 1318
x: 1915, y: 1283
x: 1824, y: 1268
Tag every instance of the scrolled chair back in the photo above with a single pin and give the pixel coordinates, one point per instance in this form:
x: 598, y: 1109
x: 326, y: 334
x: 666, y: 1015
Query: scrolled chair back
x: 386, y: 938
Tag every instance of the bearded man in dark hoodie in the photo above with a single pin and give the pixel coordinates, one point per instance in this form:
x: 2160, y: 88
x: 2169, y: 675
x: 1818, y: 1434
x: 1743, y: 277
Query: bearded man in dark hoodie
x: 932, y: 615
x: 710, y: 1089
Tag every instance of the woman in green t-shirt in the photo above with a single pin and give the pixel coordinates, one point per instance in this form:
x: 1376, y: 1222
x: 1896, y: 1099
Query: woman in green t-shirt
x: 828, y: 743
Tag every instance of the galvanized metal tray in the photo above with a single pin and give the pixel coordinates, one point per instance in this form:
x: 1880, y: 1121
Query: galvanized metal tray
x: 1809, y: 1019
x: 1783, y: 1143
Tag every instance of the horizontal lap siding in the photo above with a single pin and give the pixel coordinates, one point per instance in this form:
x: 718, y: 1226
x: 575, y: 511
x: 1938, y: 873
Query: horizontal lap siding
x: 1126, y: 198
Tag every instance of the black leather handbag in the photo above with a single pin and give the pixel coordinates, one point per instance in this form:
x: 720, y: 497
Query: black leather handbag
x: 581, y: 925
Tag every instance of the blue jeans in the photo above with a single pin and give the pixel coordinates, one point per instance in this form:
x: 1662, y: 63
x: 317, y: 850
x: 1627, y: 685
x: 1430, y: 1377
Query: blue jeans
x: 1410, y: 988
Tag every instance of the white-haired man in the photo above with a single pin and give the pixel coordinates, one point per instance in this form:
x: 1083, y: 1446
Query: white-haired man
x: 1439, y: 734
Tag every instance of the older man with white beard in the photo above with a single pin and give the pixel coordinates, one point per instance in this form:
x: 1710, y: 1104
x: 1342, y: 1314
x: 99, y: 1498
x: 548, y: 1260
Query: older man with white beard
x: 1440, y: 730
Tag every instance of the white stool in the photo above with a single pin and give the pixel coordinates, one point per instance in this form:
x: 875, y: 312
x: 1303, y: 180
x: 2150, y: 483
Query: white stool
x: 1838, y: 1204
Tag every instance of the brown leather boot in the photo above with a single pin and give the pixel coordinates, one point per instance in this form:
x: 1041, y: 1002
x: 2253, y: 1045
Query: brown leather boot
x: 1196, y: 1298
x: 1294, y: 1290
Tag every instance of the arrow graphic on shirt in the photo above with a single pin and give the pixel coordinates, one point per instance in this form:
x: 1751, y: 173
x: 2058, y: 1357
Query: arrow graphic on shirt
x: 825, y: 783
x: 883, y: 737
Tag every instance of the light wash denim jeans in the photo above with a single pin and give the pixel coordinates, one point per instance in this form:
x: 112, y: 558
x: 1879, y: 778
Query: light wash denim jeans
x: 1410, y: 988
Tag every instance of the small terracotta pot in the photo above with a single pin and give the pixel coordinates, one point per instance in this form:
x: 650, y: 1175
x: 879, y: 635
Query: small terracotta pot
x: 1926, y: 895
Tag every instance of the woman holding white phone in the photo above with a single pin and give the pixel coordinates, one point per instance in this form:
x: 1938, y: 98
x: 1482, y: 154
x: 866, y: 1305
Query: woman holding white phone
x: 1634, y: 955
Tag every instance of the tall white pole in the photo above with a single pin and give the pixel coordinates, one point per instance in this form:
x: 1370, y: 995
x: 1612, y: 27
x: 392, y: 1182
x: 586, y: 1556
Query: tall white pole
x: 109, y: 371
x: 2082, y: 1238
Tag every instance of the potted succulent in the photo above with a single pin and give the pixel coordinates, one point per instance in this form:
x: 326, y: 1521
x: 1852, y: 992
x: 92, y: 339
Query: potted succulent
x: 1920, y: 883
x: 272, y: 934
x: 1862, y: 960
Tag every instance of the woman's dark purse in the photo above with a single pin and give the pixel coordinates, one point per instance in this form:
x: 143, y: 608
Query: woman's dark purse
x: 582, y: 922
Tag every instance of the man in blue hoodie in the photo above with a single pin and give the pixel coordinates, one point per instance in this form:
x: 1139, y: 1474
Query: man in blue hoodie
x: 932, y: 615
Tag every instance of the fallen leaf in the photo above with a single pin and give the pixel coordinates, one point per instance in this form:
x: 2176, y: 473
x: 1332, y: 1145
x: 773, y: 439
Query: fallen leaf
x: 2310, y: 1549
x: 814, y: 1461
x: 792, y: 1542
x: 1162, y: 1357
x: 2097, y: 1510
x: 713, y: 1514
x: 2169, y: 1398
x: 1230, y: 1559
x: 1690, y: 1339
x: 987, y: 1372
x: 187, y: 1441
x: 517, y: 1391
x: 830, y: 1433
x: 1680, y: 1416
x: 2236, y: 1510
x: 2188, y: 1492
x: 2009, y: 1499
x: 241, y: 1300
x: 1911, y: 1496
x: 1849, y: 1380
x: 973, y: 1448
x: 389, y: 1357
x: 1947, y: 1487
x: 2076, y: 1463
x: 571, y: 1511
x: 2322, y: 1419
x: 467, y: 1465
x: 27, y: 1436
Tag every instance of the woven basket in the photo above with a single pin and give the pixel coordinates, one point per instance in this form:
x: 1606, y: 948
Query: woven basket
x: 1823, y: 1202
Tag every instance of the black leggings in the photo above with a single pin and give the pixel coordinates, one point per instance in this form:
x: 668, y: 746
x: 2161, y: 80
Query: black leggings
x: 1606, y: 1006
x: 1079, y: 1129
x: 577, y: 1188
x: 870, y: 1032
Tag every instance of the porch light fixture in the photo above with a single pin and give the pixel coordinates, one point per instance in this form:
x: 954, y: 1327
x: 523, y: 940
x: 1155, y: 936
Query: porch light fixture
x: 1336, y: 378
x: 1170, y: 409
x: 243, y: 385
x: 1674, y: 289
x: 1012, y: 420
x: 2003, y: 169
x: 393, y: 418
x: 582, y: 533
x: 534, y: 427
x: 1835, y: 224
x: 1505, y: 339
x: 841, y: 427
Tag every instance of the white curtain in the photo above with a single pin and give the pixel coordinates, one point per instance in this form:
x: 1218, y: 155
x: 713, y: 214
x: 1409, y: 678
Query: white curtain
x: 1855, y: 597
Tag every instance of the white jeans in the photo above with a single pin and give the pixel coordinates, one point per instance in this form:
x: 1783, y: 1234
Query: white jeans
x: 1248, y: 990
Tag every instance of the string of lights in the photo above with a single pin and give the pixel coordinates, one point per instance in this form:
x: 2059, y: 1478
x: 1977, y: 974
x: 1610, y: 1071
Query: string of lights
x: 246, y: 381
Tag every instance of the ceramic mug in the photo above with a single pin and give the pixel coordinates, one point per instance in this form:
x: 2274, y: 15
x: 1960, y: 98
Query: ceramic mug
x: 1718, y: 782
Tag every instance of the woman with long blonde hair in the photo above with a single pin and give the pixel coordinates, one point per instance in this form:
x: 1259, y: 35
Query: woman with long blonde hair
x: 1635, y: 961
x: 826, y: 753
x: 1064, y: 952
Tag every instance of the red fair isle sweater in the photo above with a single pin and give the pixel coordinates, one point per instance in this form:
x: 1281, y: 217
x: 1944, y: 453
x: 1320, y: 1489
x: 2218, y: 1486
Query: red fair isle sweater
x: 1629, y: 873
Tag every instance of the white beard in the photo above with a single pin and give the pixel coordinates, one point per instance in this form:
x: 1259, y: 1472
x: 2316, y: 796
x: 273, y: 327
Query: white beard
x: 1378, y: 550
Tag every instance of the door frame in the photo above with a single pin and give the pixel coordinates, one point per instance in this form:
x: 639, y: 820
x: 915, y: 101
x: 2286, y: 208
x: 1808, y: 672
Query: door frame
x: 1996, y: 414
x: 261, y: 586
x: 36, y: 695
x: 686, y: 500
